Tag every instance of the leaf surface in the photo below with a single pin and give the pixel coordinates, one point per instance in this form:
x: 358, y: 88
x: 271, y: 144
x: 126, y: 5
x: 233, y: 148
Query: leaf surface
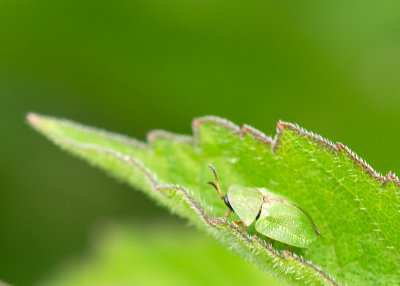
x: 355, y: 209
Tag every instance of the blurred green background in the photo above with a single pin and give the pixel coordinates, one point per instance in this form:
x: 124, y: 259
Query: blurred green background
x: 132, y: 66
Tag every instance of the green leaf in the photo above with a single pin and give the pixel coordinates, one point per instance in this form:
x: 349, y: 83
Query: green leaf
x: 156, y: 255
x: 355, y: 209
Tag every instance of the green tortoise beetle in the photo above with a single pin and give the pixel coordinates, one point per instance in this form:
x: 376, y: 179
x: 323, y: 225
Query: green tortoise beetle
x: 276, y: 218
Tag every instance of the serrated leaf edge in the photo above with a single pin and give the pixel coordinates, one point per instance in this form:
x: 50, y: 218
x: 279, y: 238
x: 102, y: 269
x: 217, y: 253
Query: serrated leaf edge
x: 274, y: 142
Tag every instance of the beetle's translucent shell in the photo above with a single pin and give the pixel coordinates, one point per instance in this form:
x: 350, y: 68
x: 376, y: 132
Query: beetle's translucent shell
x: 286, y: 223
x: 246, y: 202
x: 279, y: 219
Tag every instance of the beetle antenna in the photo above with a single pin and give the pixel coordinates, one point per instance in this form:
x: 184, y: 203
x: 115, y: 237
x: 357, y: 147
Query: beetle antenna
x: 213, y: 185
x: 216, y: 187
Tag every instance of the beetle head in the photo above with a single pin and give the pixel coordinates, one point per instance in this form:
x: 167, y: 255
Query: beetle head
x: 218, y: 188
x: 226, y: 201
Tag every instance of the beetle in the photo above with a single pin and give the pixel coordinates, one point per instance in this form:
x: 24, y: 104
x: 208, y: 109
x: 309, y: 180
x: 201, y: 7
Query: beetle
x: 276, y: 218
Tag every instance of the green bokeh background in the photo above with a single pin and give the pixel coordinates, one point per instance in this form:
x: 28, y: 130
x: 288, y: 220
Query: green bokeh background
x: 132, y: 66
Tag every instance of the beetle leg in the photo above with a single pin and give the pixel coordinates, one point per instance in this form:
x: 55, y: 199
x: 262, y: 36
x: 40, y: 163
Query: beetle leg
x: 228, y: 213
x: 237, y: 223
x: 271, y: 241
x: 290, y: 248
x: 243, y: 228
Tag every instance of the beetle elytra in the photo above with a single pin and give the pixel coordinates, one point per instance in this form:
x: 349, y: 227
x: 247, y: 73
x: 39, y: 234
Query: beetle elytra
x: 276, y: 218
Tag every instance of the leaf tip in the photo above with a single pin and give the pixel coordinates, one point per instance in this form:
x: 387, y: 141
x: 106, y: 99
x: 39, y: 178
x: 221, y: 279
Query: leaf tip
x: 151, y: 136
x: 32, y: 118
x: 196, y: 123
x: 340, y: 146
x: 280, y: 126
x: 390, y: 177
